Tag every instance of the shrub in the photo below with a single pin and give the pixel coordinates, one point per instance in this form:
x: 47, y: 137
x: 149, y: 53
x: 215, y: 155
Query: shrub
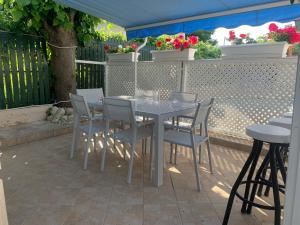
x: 206, y: 50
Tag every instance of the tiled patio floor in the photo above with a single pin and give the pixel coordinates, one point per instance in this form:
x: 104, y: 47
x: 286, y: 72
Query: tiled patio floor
x: 44, y: 187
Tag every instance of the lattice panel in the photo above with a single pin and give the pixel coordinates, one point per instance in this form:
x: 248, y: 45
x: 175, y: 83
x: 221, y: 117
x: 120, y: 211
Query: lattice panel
x: 165, y: 77
x: 245, y: 91
x: 120, y: 79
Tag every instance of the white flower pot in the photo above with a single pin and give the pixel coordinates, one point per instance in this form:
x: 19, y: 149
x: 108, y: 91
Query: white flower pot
x: 173, y: 55
x: 122, y: 57
x: 262, y: 50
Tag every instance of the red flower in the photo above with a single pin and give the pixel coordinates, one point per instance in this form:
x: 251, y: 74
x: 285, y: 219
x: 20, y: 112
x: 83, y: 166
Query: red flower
x: 273, y: 27
x: 231, y: 35
x: 186, y: 44
x: 158, y: 44
x: 168, y: 39
x: 106, y: 48
x: 243, y: 35
x: 294, y: 38
x: 193, y: 40
x: 134, y: 46
x: 181, y: 36
x: 176, y: 43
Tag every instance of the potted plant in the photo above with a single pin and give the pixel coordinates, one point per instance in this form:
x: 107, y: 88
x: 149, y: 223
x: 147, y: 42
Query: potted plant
x: 122, y: 54
x: 273, y: 45
x: 288, y: 35
x: 175, y: 48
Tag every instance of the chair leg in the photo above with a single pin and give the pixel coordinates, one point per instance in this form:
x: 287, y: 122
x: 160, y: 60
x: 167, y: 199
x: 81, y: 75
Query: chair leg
x: 196, y: 168
x: 104, y: 151
x: 209, y: 156
x: 171, y: 153
x: 74, y: 142
x: 175, y: 156
x: 200, y: 152
x: 86, y: 150
x: 145, y: 151
x: 95, y: 142
x: 114, y: 139
x: 130, y: 166
x: 143, y: 146
x: 151, y: 155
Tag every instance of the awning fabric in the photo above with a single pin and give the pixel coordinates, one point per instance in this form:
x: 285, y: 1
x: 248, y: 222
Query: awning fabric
x: 143, y: 18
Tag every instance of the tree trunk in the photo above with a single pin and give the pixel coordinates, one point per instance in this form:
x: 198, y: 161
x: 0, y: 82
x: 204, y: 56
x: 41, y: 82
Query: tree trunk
x: 62, y: 43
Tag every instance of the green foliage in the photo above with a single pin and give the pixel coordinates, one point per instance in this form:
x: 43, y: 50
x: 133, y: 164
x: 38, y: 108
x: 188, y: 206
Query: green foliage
x: 38, y: 16
x: 280, y: 36
x: 203, y: 35
x: 206, y: 50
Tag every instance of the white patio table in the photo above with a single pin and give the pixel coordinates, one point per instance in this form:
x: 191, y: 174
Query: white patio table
x: 159, y: 111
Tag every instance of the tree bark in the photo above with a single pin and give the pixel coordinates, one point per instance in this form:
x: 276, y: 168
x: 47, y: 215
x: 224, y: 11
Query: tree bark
x: 62, y: 42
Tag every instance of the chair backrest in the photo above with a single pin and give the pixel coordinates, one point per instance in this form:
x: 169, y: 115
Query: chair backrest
x: 202, y: 114
x: 119, y: 110
x: 91, y: 95
x: 80, y: 106
x: 183, y: 97
x: 145, y: 94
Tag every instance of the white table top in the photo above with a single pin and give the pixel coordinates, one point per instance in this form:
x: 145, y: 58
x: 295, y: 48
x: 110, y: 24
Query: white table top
x: 152, y: 108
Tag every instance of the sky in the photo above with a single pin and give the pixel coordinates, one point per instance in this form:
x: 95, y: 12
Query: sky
x: 221, y: 34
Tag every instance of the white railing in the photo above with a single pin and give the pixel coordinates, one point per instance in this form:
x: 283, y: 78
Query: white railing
x: 246, y: 91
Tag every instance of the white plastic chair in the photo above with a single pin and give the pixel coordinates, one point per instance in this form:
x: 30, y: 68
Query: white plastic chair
x: 186, y: 136
x: 145, y: 95
x: 92, y: 95
x: 123, y: 111
x: 179, y: 97
x: 90, y: 127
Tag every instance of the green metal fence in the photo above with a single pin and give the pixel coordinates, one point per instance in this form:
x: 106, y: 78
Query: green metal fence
x: 91, y: 75
x: 24, y: 77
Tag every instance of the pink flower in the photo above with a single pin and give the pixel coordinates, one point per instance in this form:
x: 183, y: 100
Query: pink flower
x: 273, y: 27
x: 186, y: 44
x: 181, y: 36
x: 243, y: 35
x: 158, y: 44
x: 193, y: 40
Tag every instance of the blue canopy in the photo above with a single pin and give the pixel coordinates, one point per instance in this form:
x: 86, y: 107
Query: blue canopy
x: 143, y: 18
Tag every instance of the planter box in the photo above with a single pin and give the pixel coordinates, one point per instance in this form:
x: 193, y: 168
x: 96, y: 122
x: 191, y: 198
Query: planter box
x: 267, y: 50
x: 122, y: 57
x: 173, y: 55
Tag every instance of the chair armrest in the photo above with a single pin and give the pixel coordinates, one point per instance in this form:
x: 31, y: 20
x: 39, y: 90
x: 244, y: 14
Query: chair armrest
x: 185, y: 117
x: 177, y: 127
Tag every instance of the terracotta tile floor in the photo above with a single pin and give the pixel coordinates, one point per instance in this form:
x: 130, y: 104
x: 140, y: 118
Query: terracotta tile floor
x: 44, y: 187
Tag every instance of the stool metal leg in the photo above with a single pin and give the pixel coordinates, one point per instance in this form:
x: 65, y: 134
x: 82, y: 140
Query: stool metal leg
x: 250, y: 175
x: 238, y: 182
x: 257, y: 176
x: 264, y: 175
x: 275, y: 187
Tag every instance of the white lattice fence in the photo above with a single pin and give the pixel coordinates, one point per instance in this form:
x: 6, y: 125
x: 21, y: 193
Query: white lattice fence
x: 119, y: 79
x: 165, y: 77
x: 245, y: 91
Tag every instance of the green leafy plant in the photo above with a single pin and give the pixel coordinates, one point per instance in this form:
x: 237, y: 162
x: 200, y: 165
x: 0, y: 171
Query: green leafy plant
x: 120, y: 49
x: 206, y: 50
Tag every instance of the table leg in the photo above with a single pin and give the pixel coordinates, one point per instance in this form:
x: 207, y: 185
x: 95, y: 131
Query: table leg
x: 159, y: 152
